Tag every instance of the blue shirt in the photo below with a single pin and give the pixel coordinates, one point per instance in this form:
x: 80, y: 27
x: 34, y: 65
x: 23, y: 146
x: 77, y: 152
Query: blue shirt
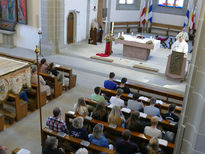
x: 102, y: 141
x: 151, y: 110
x: 110, y: 85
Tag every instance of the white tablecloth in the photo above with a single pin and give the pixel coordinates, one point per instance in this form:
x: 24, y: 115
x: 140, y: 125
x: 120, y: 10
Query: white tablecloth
x: 134, y: 38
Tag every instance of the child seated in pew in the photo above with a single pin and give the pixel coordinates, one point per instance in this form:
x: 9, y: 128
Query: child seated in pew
x: 152, y: 130
x: 43, y: 67
x: 123, y: 87
x: 52, y: 146
x: 133, y: 123
x: 100, y: 112
x: 124, y: 145
x: 116, y: 117
x: 81, y: 107
x: 134, y: 104
x: 97, y: 96
x: 43, y: 86
x: 116, y: 100
x: 52, y: 70
x: 97, y: 136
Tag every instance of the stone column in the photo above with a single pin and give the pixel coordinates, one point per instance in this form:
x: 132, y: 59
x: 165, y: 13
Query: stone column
x: 193, y: 114
x: 52, y: 26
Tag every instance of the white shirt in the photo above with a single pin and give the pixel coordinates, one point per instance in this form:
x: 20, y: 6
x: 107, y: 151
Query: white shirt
x: 184, y: 35
x: 116, y: 101
x: 180, y: 47
x: 153, y: 132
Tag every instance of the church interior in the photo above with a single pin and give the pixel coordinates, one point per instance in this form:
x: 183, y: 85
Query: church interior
x: 60, y: 62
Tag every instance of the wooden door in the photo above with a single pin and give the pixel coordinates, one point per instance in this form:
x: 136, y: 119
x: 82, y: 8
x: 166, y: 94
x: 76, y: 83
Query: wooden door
x: 100, y: 12
x: 70, y: 28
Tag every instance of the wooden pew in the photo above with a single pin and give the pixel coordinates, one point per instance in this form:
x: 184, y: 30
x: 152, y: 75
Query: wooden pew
x: 165, y: 27
x: 126, y: 97
x: 95, y: 36
x: 166, y: 95
x: 136, y: 135
x: 70, y: 139
x: 163, y: 123
x: 72, y: 77
x: 1, y: 122
x: 126, y: 25
x: 34, y: 101
x: 20, y: 108
x: 58, y: 87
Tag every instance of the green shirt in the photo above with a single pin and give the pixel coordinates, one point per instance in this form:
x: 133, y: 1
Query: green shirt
x: 98, y: 98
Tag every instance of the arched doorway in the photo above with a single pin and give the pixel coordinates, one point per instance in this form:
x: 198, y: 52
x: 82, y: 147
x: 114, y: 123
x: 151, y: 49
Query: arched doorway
x: 70, y: 28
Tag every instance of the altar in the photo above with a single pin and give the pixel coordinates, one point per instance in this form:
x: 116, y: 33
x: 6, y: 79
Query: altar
x: 138, y: 48
x: 13, y: 76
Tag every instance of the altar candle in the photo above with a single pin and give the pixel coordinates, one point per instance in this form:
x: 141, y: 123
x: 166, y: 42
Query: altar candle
x: 118, y: 34
x: 112, y: 28
x: 132, y: 33
x: 122, y: 33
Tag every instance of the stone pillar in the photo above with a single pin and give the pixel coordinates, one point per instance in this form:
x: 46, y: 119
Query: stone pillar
x: 193, y: 114
x: 52, y: 26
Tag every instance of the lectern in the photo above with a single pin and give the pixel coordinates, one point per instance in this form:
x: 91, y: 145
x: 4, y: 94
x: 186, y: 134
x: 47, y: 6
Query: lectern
x: 176, y: 65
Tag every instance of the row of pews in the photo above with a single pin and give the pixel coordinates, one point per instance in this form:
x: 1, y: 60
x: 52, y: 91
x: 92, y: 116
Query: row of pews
x: 14, y: 109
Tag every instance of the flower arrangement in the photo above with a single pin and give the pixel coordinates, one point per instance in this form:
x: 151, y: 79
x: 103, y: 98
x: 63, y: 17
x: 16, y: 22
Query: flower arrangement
x: 121, y: 37
x: 149, y: 42
x: 109, y: 38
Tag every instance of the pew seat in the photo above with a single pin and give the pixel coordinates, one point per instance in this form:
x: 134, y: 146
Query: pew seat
x: 92, y: 147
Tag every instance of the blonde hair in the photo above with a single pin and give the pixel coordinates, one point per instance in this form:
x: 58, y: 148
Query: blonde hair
x: 81, y: 107
x: 78, y: 122
x: 153, y: 146
x: 154, y: 121
x: 98, y: 130
x: 114, y: 116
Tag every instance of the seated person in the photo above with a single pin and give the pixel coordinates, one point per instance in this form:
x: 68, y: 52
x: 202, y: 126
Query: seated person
x: 43, y: 67
x: 124, y: 145
x: 116, y: 100
x: 81, y: 107
x: 55, y: 123
x: 52, y: 70
x: 152, y: 130
x: 23, y: 95
x: 43, y: 86
x: 97, y: 95
x: 123, y: 87
x: 97, y: 136
x: 82, y: 151
x: 52, y: 146
x: 110, y: 84
x: 133, y: 123
x: 133, y: 104
x: 116, y: 117
x: 77, y: 130
x: 151, y: 109
x: 170, y: 114
x: 153, y: 146
x: 3, y: 149
x: 100, y: 112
